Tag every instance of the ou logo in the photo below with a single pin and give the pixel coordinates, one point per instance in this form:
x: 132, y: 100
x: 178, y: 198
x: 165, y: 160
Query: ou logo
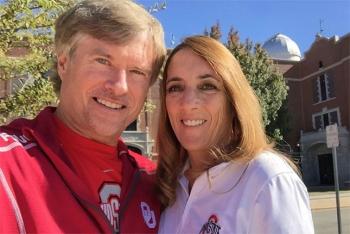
x: 148, y: 215
x: 109, y: 196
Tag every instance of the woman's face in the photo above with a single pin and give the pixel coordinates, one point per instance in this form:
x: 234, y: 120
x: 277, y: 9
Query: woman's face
x: 195, y: 101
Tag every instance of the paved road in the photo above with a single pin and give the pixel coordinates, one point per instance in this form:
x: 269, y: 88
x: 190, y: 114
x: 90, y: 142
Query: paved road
x: 325, y: 221
x: 326, y: 200
x: 324, y: 212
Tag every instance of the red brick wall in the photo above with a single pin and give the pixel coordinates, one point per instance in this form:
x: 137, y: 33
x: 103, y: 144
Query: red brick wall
x: 301, y: 82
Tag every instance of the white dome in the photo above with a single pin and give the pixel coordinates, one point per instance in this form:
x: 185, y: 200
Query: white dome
x: 281, y: 47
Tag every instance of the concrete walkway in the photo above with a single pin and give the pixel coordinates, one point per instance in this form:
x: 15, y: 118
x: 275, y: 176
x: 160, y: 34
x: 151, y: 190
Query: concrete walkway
x: 326, y: 200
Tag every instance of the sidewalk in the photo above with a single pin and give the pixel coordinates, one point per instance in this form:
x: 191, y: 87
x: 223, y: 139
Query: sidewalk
x: 326, y: 200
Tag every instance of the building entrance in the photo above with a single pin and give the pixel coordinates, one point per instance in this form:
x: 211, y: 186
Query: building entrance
x: 325, y: 167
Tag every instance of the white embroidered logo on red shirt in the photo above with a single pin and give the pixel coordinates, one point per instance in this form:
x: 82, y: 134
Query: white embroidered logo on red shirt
x: 148, y: 215
x: 109, y: 195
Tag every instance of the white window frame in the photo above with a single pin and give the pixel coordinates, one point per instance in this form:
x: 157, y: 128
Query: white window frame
x: 325, y: 111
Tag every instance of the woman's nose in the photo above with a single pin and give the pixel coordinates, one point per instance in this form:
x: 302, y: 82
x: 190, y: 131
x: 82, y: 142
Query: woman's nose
x: 190, y: 98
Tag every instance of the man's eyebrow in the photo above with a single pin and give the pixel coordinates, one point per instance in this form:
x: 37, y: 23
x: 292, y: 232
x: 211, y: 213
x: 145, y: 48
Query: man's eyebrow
x: 99, y: 51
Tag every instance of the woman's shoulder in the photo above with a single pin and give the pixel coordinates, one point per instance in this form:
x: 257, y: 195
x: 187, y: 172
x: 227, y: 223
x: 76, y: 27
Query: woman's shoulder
x: 269, y: 172
x: 277, y: 192
x: 269, y: 164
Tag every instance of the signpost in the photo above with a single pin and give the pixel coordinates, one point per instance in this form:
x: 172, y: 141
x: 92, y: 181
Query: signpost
x: 333, y: 142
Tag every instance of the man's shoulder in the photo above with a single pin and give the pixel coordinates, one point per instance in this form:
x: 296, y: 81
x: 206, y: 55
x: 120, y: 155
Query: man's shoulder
x: 13, y: 138
x: 17, y: 135
x: 14, y: 147
x: 143, y: 163
x: 12, y: 132
x: 15, y: 126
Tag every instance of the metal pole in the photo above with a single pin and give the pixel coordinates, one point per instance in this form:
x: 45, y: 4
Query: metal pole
x: 336, y: 183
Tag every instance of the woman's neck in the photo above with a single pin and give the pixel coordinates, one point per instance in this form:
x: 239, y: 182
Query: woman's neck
x: 191, y: 176
x: 199, y: 162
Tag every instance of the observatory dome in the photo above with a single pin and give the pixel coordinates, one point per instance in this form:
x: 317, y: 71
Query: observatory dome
x: 281, y: 47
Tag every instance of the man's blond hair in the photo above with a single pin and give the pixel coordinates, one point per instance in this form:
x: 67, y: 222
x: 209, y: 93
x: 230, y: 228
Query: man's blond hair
x: 116, y: 21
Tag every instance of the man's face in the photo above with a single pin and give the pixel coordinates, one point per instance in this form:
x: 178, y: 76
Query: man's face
x: 104, y: 86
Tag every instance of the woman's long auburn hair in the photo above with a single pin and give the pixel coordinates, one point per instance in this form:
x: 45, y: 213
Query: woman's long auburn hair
x: 247, y: 137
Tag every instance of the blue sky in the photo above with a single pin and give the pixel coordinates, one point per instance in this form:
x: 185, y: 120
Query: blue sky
x: 256, y: 20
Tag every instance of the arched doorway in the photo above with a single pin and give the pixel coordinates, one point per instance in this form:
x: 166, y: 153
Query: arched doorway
x: 325, y: 168
x: 318, y: 165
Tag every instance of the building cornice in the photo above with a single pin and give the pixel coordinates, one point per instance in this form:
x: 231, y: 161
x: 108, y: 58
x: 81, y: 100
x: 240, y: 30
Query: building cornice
x: 318, y: 72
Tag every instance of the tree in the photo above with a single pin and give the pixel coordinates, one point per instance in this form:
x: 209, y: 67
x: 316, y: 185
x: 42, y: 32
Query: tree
x: 268, y: 83
x: 26, y: 55
x: 215, y: 31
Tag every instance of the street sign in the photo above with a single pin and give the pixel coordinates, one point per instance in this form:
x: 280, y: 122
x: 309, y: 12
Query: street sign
x: 332, y: 136
x: 333, y: 142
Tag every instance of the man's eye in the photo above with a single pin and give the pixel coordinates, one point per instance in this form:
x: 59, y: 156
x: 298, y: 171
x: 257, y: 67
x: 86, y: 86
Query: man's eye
x: 138, y: 72
x: 103, y: 61
x: 174, y: 88
x: 208, y: 87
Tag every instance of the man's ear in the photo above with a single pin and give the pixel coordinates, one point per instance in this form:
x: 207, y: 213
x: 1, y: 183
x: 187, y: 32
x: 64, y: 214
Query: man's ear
x: 62, y: 65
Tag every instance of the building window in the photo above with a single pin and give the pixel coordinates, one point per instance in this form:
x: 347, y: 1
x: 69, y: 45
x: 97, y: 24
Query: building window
x: 325, y: 118
x: 324, y: 88
x: 320, y: 64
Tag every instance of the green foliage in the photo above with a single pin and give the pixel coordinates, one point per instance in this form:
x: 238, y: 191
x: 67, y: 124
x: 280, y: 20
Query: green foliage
x: 215, y: 31
x: 28, y: 100
x: 26, y: 38
x: 268, y: 83
x: 149, y: 106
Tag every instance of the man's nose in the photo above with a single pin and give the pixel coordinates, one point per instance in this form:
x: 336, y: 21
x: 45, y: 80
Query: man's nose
x: 117, y: 82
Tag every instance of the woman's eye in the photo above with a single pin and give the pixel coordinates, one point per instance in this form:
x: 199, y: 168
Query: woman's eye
x: 103, y: 61
x: 173, y: 88
x: 208, y: 87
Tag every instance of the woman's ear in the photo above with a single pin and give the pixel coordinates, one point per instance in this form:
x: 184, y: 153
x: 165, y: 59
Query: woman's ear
x: 236, y: 128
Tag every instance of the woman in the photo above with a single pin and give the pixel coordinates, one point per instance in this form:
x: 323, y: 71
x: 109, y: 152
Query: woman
x: 217, y: 173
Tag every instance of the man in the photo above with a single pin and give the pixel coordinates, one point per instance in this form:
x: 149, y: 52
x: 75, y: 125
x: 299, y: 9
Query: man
x: 67, y: 170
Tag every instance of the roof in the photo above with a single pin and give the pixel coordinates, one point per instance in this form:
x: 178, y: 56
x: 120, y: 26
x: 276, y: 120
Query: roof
x: 281, y: 47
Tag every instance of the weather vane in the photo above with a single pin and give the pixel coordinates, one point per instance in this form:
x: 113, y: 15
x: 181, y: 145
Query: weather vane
x: 321, y: 26
x: 172, y: 40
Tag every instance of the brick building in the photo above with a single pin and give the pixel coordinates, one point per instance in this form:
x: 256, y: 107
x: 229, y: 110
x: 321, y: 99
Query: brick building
x: 319, y: 95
